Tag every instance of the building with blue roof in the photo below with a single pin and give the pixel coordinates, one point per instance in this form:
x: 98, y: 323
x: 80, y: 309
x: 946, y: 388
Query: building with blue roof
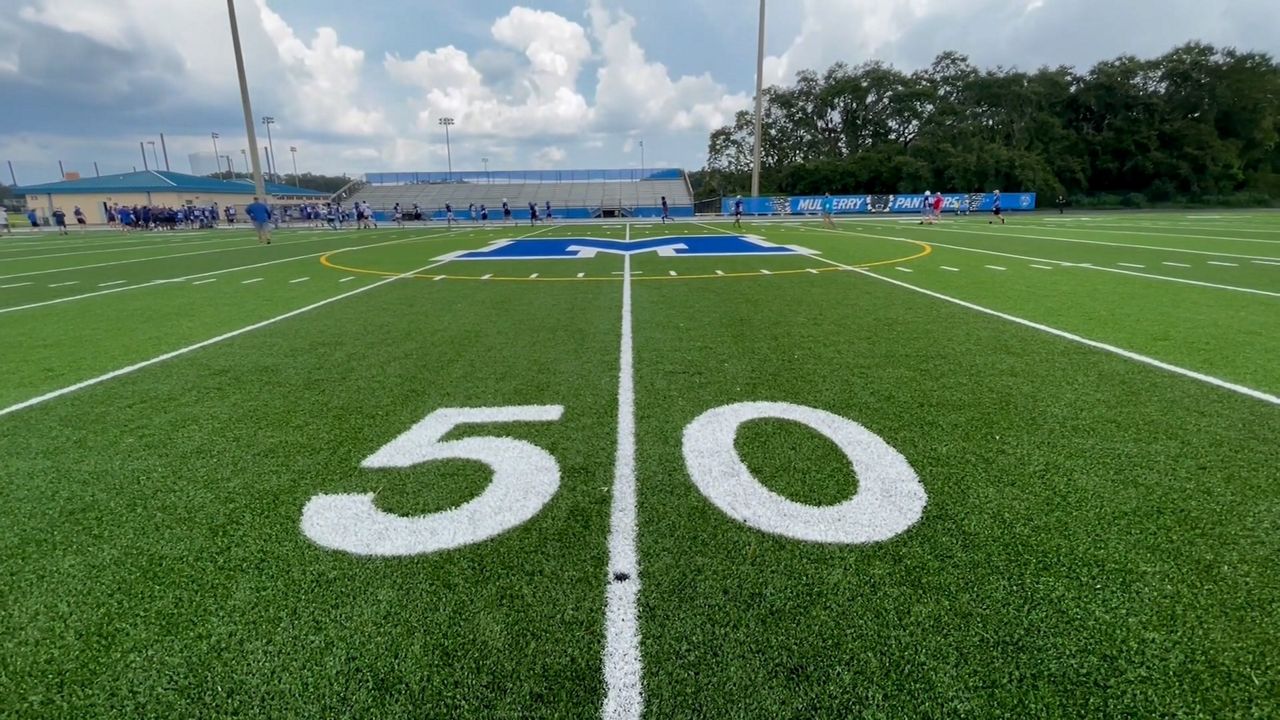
x: 156, y: 188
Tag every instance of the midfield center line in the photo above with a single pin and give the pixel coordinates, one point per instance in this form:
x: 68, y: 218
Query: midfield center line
x: 623, y: 668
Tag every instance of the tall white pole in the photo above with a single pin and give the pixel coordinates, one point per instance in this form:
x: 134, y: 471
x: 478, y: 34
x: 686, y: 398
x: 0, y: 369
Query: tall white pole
x: 258, y: 186
x: 755, y: 167
x: 217, y: 159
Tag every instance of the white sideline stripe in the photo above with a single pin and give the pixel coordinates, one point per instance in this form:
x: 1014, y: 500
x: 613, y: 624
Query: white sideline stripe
x: 345, y: 279
x: 201, y: 282
x: 15, y: 285
x: 945, y: 267
x: 299, y: 280
x: 815, y: 272
x: 1129, y: 354
x: 1103, y: 242
x: 1043, y: 267
x: 438, y: 277
x: 623, y: 670
x: 73, y: 282
x: 202, y: 344
x: 1265, y: 262
x: 1089, y: 266
x: 902, y: 269
x: 995, y: 267
x: 1174, y: 264
x: 107, y: 250
x: 203, y: 274
x: 1227, y: 264
x: 1131, y: 265
x: 156, y: 257
x: 254, y: 280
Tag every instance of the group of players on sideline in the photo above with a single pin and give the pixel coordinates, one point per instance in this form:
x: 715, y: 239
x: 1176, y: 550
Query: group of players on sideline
x: 334, y: 216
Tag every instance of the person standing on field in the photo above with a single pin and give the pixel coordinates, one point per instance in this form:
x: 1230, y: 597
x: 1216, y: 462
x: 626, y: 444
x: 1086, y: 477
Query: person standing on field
x: 260, y: 215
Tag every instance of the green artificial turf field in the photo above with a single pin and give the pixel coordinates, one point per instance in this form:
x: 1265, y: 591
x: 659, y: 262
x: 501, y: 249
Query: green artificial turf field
x: 880, y: 471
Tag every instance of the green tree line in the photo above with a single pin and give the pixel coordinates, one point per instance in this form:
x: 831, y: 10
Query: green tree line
x: 1198, y: 124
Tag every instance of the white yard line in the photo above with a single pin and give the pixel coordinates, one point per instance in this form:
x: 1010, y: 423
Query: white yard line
x: 1264, y: 262
x: 582, y: 274
x: 113, y: 282
x: 301, y: 279
x: 347, y: 279
x: 61, y: 284
x: 1174, y: 264
x: 202, y: 344
x: 202, y: 282
x: 995, y: 267
x: 1043, y: 267
x: 1100, y: 242
x: 1129, y: 354
x: 146, y: 246
x: 13, y: 285
x: 486, y: 277
x: 1225, y: 264
x: 902, y: 269
x: 253, y: 280
x: 534, y: 275
x: 815, y: 272
x: 623, y: 668
x: 200, y: 275
x: 155, y: 257
x: 944, y: 267
x: 1062, y: 263
x: 719, y: 272
x: 766, y: 272
x: 1134, y: 265
x: 670, y: 272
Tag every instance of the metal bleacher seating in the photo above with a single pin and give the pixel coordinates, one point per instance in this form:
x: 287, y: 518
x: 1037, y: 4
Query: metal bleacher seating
x: 586, y: 197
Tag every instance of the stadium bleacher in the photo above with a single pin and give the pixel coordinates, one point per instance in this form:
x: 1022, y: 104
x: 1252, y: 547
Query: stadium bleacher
x: 572, y: 194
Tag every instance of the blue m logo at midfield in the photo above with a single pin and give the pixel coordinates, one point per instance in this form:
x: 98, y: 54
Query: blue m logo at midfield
x: 585, y: 247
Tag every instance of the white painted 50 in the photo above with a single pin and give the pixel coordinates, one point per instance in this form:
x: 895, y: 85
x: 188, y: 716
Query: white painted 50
x: 525, y: 478
x: 889, y: 499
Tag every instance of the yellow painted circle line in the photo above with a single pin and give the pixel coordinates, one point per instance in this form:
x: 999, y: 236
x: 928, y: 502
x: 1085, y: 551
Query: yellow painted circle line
x: 324, y: 260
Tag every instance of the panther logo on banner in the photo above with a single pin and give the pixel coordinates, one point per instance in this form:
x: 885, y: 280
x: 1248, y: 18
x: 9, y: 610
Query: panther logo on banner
x: 879, y: 203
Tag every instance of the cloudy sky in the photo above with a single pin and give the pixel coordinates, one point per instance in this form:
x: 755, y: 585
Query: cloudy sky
x: 360, y: 86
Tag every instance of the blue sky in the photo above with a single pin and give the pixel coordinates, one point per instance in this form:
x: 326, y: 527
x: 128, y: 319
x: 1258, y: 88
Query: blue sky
x: 358, y: 87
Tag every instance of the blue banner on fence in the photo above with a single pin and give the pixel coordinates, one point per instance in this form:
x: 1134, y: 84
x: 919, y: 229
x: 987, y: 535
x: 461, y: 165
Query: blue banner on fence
x: 849, y: 204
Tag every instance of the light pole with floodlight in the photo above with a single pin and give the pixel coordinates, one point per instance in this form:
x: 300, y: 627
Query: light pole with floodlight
x: 446, y: 122
x: 271, y: 149
x: 217, y: 159
x: 293, y: 150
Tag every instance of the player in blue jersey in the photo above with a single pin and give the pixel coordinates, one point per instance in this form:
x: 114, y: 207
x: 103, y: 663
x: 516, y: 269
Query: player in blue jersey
x: 547, y: 216
x: 737, y: 212
x: 996, y: 209
x: 448, y: 214
x: 506, y: 211
x: 533, y: 213
x: 828, y: 207
x: 666, y: 210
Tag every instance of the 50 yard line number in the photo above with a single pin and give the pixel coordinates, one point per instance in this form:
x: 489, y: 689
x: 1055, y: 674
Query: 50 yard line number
x: 888, y: 501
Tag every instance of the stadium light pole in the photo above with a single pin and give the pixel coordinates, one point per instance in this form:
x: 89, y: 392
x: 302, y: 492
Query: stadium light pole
x: 12, y: 177
x: 446, y: 122
x: 641, y: 159
x: 486, y: 170
x: 231, y: 170
x: 164, y: 149
x: 217, y: 159
x: 143, y: 149
x: 755, y: 162
x: 271, y: 149
x: 258, y: 186
x: 244, y: 156
x: 293, y: 150
x: 154, y: 155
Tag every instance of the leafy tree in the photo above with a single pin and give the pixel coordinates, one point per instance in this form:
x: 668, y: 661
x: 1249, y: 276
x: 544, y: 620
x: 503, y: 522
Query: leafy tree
x: 1197, y: 123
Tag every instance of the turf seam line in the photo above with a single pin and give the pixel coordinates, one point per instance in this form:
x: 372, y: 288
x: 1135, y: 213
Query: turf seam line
x: 202, y: 344
x: 623, y: 671
x: 1128, y: 354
